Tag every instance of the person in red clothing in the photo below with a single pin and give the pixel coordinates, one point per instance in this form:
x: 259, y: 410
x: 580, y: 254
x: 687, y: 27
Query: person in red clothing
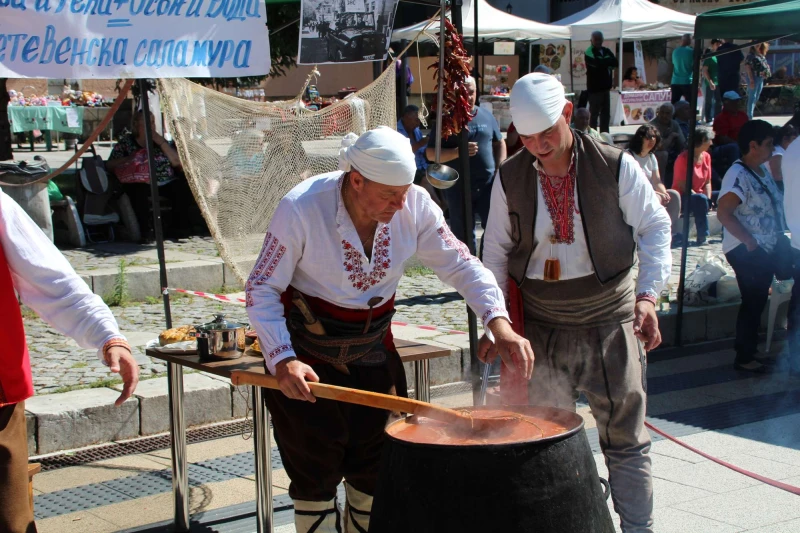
x: 726, y: 130
x: 701, y: 179
x: 33, y: 271
x: 728, y: 123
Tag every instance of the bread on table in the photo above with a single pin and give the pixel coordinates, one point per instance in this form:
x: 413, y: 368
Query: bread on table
x: 178, y: 334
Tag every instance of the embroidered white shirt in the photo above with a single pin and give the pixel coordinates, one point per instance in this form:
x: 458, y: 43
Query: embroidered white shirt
x: 313, y: 246
x: 640, y: 209
x: 47, y: 283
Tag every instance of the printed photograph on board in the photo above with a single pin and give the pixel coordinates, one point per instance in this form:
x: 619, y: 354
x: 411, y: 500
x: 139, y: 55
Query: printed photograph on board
x: 345, y: 31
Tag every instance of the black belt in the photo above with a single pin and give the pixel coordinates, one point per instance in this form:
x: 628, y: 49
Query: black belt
x: 344, y: 343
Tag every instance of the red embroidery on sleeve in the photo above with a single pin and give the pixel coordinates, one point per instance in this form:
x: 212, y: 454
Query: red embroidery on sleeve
x: 283, y: 348
x: 490, y: 312
x: 454, y: 244
x: 271, y: 254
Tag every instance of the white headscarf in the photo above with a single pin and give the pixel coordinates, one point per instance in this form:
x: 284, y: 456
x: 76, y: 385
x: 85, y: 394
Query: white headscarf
x: 537, y: 100
x: 381, y: 155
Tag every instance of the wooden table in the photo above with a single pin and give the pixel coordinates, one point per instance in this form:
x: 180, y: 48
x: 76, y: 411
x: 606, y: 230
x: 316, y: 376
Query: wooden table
x: 410, y: 351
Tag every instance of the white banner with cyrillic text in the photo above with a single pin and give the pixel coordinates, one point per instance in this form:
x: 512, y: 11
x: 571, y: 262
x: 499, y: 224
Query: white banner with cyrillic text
x: 133, y: 38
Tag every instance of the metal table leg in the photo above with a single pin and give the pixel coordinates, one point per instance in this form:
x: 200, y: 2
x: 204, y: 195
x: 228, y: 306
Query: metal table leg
x: 177, y: 427
x: 422, y: 382
x: 263, y: 462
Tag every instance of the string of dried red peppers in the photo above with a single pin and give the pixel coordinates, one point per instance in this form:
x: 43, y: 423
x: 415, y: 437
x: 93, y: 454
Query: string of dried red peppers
x: 456, y: 108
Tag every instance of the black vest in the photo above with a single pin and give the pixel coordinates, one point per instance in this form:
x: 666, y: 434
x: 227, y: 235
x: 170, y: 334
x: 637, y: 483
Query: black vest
x: 608, y: 237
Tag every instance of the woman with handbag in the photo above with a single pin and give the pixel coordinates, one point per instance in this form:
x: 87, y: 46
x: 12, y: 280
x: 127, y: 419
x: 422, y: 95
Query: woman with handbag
x: 750, y: 209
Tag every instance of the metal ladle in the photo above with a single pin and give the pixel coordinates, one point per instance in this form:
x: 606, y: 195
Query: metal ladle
x: 439, y: 175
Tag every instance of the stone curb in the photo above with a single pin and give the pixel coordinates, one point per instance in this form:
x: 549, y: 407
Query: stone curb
x: 144, y: 281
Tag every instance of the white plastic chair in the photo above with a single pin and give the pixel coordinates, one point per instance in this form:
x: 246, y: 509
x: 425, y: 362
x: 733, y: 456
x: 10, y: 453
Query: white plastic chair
x: 775, y: 300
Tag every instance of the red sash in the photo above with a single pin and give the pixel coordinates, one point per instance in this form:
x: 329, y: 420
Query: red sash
x: 514, y: 387
x: 16, y: 383
x: 324, y: 309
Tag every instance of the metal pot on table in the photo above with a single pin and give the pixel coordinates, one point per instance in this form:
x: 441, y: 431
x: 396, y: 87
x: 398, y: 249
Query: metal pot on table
x: 220, y: 339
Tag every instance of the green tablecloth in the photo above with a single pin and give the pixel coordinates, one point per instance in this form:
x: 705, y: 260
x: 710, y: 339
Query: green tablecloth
x: 45, y: 118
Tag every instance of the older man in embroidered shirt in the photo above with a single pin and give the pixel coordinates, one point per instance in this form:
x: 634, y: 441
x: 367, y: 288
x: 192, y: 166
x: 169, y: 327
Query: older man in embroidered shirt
x: 31, y: 267
x: 567, y: 216
x: 340, y: 240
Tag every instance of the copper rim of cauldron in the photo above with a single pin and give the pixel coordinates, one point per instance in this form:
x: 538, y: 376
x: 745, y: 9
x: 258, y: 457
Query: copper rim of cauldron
x: 517, y: 409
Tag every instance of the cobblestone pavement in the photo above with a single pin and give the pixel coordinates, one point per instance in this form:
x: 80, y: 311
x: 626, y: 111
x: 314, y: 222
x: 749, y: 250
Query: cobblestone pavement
x: 58, y: 362
x: 108, y: 255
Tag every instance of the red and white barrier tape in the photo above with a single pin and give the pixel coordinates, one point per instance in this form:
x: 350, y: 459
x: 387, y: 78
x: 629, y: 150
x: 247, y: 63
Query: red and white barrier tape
x: 210, y: 296
x: 241, y: 301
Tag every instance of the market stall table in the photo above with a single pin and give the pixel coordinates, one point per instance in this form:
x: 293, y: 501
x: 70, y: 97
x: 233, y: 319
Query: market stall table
x: 410, y: 351
x: 46, y: 119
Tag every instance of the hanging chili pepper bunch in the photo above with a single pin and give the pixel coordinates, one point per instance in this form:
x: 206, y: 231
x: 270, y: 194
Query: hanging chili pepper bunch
x: 456, y: 108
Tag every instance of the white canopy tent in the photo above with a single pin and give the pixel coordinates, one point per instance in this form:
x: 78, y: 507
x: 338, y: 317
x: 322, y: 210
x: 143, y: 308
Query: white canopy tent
x: 493, y: 24
x: 627, y: 19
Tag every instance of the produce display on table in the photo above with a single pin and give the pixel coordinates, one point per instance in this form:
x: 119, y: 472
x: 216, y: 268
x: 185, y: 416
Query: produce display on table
x: 456, y: 108
x: 67, y: 98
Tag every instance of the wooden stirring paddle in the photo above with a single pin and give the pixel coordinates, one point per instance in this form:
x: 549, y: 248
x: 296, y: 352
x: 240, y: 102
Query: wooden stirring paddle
x: 377, y: 400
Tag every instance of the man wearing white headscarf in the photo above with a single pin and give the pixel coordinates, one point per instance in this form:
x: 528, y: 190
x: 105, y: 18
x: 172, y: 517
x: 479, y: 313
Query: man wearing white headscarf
x: 566, y: 218
x: 339, y: 240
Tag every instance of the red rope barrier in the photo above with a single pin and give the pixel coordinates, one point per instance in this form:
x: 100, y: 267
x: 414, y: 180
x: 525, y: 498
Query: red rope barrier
x: 777, y: 484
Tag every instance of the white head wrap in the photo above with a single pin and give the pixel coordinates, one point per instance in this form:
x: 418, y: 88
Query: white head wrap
x: 382, y: 155
x: 537, y: 100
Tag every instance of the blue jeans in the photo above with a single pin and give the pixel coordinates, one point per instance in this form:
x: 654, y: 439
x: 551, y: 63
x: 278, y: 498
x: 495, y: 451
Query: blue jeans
x: 711, y: 99
x: 698, y: 207
x: 455, y: 205
x: 753, y: 95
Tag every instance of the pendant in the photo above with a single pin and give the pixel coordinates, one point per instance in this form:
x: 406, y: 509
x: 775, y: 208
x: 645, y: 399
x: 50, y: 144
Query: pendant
x: 552, y: 269
x: 552, y: 266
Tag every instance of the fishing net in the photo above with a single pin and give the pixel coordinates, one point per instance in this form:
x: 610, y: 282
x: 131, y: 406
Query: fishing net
x: 242, y: 157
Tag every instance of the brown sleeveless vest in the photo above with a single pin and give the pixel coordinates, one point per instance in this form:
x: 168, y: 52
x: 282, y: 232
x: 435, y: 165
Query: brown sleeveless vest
x: 608, y: 236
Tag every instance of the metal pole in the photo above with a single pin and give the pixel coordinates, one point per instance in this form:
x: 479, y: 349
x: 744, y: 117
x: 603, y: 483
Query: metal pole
x: 530, y: 56
x: 469, y: 227
x: 440, y: 90
x: 177, y: 430
x: 402, y: 98
x: 619, y: 59
x: 476, y: 55
x: 263, y: 463
x: 180, y: 480
x: 687, y: 193
x: 571, y: 77
x: 422, y: 382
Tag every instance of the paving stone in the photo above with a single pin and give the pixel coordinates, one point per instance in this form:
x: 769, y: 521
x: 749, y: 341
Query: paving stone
x: 205, y: 400
x: 140, y: 338
x: 30, y: 421
x: 82, y: 417
x: 748, y: 508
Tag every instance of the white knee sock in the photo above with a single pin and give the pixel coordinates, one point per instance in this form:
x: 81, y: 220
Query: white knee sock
x: 357, y: 511
x: 316, y: 517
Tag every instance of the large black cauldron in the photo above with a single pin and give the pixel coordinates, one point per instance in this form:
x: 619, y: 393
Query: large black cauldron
x: 547, y: 485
